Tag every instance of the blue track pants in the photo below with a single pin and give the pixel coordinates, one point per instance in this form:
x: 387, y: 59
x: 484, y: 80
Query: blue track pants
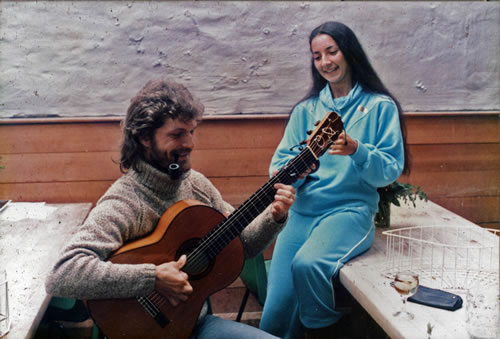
x: 309, y: 252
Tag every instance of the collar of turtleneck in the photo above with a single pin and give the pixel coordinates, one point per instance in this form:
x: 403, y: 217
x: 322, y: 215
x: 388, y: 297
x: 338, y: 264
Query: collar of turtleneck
x: 156, y: 180
x: 337, y: 104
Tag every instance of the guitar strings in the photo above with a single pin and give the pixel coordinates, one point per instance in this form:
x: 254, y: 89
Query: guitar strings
x: 195, y: 259
x: 149, y: 306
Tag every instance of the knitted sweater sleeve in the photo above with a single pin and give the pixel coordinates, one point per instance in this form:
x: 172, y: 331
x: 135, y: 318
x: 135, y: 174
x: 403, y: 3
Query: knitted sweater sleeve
x: 82, y: 271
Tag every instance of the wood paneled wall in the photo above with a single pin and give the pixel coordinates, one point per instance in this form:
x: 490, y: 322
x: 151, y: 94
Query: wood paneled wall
x: 456, y: 158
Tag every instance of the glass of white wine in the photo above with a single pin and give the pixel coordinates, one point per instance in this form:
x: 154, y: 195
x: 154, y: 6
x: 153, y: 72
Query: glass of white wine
x: 406, y: 284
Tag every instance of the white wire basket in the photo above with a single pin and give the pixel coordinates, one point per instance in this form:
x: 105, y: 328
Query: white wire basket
x: 444, y: 257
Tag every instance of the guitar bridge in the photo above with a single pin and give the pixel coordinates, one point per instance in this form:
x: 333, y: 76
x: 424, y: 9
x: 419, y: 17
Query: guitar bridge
x: 153, y: 311
x: 161, y: 320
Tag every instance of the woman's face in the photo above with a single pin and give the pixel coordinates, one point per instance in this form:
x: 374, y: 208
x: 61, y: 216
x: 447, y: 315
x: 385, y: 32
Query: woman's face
x: 330, y: 62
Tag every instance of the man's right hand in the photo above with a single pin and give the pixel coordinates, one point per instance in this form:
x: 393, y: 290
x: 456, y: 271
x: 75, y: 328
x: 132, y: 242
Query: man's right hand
x: 173, y: 283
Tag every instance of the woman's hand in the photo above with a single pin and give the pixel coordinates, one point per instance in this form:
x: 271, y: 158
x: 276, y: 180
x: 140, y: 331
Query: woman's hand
x: 283, y: 200
x: 309, y: 170
x: 344, y: 145
x: 173, y: 283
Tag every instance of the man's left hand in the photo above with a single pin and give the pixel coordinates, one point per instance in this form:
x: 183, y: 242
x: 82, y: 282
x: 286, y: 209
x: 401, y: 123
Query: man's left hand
x: 283, y: 200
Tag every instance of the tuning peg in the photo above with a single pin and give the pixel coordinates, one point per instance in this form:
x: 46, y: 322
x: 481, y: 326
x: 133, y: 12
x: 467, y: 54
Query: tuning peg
x: 299, y: 146
x: 309, y: 132
x: 317, y: 123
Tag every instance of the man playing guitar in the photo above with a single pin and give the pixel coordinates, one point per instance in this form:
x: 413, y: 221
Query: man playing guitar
x: 158, y: 137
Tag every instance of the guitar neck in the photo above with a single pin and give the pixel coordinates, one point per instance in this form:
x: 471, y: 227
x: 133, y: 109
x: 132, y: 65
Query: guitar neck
x: 224, y: 233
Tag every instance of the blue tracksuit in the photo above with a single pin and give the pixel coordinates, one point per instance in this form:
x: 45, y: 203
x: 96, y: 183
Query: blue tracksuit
x: 331, y: 220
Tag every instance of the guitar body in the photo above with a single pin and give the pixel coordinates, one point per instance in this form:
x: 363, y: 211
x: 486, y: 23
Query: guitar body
x: 177, y: 233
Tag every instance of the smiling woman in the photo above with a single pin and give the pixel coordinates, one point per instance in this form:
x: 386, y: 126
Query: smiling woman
x: 331, y: 64
x: 332, y: 220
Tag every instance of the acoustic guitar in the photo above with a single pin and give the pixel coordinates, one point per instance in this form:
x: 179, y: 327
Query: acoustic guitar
x: 211, y: 242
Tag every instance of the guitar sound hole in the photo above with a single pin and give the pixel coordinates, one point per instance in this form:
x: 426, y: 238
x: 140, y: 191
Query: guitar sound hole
x: 199, y: 264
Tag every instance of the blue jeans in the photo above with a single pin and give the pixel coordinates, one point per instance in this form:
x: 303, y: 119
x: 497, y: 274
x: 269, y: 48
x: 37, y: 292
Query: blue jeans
x: 212, y: 327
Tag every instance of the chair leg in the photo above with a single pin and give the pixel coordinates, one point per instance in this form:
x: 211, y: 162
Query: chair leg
x: 242, y: 305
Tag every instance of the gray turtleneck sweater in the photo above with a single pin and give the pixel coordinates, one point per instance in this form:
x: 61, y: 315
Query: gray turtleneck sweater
x: 131, y: 209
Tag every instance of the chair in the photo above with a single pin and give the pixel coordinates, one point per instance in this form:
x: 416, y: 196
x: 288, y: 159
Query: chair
x: 254, y: 276
x: 64, y: 310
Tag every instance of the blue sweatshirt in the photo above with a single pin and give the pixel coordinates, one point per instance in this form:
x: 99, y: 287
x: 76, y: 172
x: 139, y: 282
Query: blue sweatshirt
x: 346, y: 181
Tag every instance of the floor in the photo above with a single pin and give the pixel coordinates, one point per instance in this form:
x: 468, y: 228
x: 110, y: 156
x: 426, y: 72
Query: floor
x: 225, y: 304
x: 356, y: 324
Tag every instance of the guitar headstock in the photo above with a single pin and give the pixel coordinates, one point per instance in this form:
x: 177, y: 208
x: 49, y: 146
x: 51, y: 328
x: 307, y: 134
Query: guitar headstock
x: 326, y: 132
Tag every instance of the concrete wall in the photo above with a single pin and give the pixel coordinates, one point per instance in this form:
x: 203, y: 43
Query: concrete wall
x: 88, y: 58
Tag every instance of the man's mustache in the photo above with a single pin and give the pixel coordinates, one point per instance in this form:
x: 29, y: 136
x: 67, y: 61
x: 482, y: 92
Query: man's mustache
x: 175, y: 154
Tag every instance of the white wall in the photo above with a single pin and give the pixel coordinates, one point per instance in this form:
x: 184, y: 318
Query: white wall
x: 88, y: 58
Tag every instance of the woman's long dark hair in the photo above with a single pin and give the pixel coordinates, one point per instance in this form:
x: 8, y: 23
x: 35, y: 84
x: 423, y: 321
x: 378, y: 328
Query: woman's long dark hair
x: 361, y: 70
x: 156, y: 102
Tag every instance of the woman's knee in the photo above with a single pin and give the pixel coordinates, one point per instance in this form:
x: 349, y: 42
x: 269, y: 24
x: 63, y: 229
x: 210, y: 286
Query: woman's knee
x: 305, y: 265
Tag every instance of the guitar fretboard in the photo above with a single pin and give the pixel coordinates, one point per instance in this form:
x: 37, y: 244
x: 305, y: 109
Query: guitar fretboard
x: 215, y: 241
x: 220, y: 236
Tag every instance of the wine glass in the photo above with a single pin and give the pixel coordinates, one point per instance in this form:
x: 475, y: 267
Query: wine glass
x: 406, y: 284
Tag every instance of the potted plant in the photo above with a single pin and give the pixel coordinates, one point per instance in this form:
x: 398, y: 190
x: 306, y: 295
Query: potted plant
x: 392, y: 194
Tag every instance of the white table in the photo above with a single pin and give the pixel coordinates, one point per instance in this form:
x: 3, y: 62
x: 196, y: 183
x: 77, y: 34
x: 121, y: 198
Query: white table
x: 366, y: 279
x: 31, y: 237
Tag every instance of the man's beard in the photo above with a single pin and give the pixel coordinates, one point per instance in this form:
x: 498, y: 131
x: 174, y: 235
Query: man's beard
x: 163, y: 160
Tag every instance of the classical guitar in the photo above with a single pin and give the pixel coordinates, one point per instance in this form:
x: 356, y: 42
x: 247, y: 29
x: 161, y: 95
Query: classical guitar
x: 212, y: 245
